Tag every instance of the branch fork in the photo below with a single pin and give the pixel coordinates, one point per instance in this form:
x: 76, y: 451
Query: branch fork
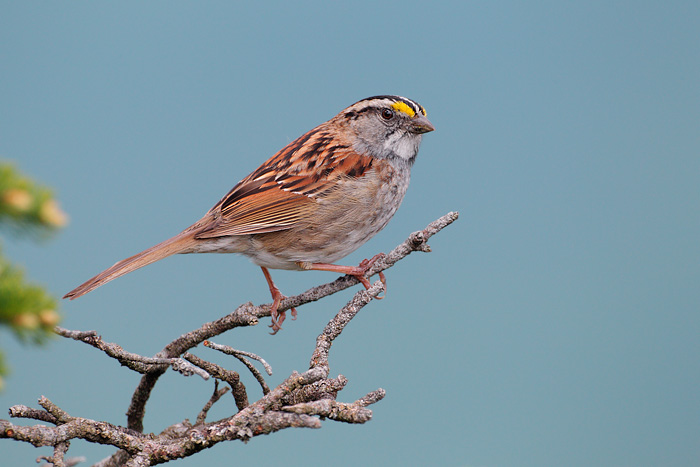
x: 301, y: 400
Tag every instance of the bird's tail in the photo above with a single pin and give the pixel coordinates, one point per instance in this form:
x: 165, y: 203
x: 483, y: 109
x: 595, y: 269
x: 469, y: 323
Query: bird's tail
x: 178, y: 244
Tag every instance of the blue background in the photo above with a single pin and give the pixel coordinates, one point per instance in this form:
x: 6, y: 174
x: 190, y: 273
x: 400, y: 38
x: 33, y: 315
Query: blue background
x: 556, y: 323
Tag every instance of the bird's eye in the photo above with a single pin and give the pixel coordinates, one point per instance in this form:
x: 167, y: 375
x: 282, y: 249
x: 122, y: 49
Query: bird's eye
x: 387, y: 114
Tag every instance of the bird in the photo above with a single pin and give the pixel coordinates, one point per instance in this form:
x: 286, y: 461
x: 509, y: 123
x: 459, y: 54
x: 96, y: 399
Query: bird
x: 315, y: 201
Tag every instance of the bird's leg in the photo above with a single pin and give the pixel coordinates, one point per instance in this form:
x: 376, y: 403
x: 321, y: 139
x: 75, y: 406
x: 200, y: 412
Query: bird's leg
x: 277, y: 318
x: 357, y: 272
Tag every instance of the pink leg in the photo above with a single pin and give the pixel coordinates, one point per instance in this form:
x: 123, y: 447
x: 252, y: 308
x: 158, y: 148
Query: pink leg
x: 357, y: 272
x: 277, y: 318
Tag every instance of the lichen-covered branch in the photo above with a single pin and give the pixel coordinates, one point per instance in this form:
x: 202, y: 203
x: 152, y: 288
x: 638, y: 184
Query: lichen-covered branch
x: 249, y: 314
x: 240, y: 355
x: 231, y: 377
x: 130, y: 360
x: 334, y: 410
x: 218, y: 394
x: 302, y: 400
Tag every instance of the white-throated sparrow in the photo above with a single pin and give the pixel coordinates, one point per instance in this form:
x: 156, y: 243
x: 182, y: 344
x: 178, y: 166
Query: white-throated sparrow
x: 314, y: 202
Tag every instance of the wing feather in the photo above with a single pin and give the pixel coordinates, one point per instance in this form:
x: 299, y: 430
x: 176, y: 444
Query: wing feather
x: 285, y: 189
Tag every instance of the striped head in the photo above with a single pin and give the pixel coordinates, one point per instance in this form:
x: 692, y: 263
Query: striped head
x: 388, y: 127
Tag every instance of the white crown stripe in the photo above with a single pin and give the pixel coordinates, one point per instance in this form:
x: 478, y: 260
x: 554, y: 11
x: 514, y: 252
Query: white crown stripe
x: 386, y: 101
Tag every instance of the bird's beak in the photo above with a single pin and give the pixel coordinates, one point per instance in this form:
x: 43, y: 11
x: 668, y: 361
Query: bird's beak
x: 421, y: 124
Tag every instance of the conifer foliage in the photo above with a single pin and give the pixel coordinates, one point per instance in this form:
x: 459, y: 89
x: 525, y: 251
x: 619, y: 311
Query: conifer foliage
x: 28, y: 210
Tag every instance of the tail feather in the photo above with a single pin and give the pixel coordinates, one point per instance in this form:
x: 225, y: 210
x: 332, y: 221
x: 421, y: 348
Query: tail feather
x: 177, y: 244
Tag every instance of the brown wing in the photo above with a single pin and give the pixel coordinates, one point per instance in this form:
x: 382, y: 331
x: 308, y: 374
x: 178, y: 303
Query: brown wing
x: 285, y: 188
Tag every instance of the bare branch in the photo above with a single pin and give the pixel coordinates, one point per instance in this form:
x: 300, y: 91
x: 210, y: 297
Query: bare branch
x: 248, y: 314
x: 22, y: 411
x: 339, y: 411
x: 338, y: 323
x: 130, y: 360
x: 417, y: 241
x: 60, y: 416
x: 231, y: 377
x: 240, y: 317
x: 323, y: 389
x: 97, y: 432
x: 299, y: 401
x: 59, y: 452
x: 326, y: 408
x: 188, y: 369
x: 218, y: 394
x: 239, y: 355
x: 371, y: 398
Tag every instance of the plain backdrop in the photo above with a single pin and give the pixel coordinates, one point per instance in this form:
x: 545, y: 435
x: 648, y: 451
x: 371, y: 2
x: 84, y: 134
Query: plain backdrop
x: 555, y: 323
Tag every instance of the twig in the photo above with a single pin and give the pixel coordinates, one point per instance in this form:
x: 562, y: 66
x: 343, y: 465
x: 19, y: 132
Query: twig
x: 323, y: 389
x: 218, y: 394
x: 132, y: 361
x: 338, y: 323
x: 371, y: 398
x: 296, y: 402
x: 186, y: 368
x: 417, y: 241
x: 326, y: 408
x: 59, y: 452
x: 22, y: 411
x: 60, y: 415
x: 231, y: 377
x: 239, y: 355
x: 248, y: 314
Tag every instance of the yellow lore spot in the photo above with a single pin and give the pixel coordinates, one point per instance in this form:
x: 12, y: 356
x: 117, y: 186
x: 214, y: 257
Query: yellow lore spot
x: 403, y: 107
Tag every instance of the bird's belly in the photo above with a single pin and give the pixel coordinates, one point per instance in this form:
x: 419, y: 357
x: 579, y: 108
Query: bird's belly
x: 311, y: 245
x: 342, y: 223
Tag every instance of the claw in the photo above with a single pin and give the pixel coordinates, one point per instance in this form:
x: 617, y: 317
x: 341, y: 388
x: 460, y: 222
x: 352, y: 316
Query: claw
x: 382, y: 278
x: 277, y: 317
x: 358, y: 272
